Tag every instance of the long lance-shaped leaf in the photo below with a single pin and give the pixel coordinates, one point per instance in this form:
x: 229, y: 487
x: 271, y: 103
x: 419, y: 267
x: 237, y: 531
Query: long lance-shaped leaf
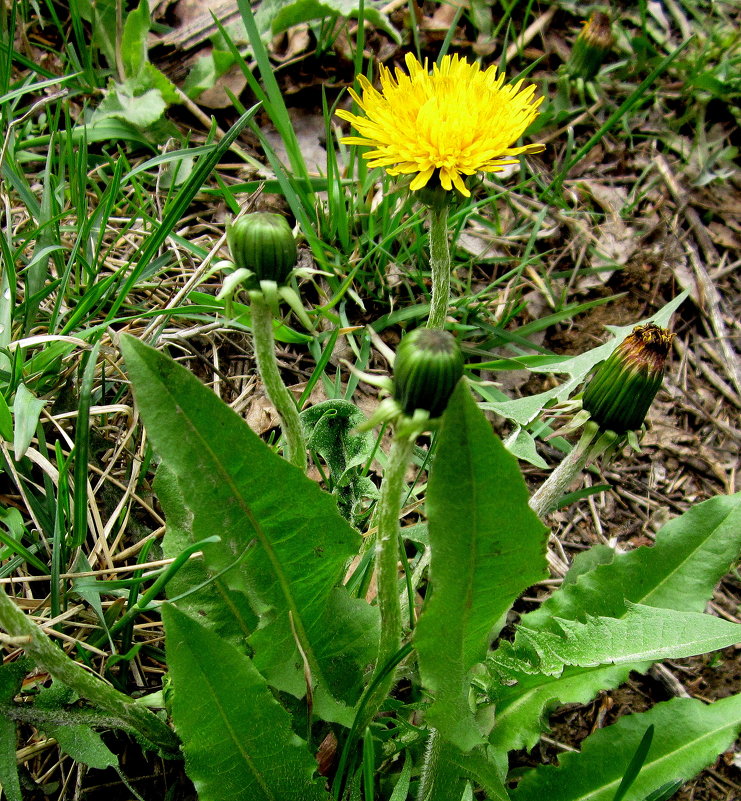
x: 237, y: 739
x: 487, y: 547
x: 645, y: 633
x: 282, y: 535
x: 680, y: 571
x: 687, y: 738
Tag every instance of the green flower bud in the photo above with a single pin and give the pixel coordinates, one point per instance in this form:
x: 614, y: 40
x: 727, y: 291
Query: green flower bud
x: 591, y: 46
x: 428, y: 365
x: 263, y: 243
x: 621, y: 391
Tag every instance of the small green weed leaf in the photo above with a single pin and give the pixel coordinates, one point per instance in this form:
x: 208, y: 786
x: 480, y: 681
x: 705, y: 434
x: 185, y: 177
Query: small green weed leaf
x: 12, y: 519
x: 83, y: 745
x: 524, y: 410
x: 206, y: 72
x: 26, y: 411
x: 643, y: 634
x: 237, y: 739
x: 691, y: 554
x: 90, y: 589
x: 521, y: 444
x: 79, y: 741
x: 279, y: 15
x: 102, y: 16
x: 134, y: 40
x: 329, y: 427
x: 587, y: 560
x: 235, y: 486
x: 104, y: 128
x: 487, y: 547
x: 177, y: 172
x: 152, y: 78
x: 330, y: 431
x: 688, y: 736
x: 11, y: 678
x: 9, y: 781
x: 6, y: 420
x: 142, y: 111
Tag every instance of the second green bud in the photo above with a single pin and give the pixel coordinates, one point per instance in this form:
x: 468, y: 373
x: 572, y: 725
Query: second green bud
x: 428, y: 365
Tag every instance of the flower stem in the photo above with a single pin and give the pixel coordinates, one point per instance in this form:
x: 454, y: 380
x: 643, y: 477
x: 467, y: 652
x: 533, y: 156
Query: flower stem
x: 88, y: 686
x: 430, y: 764
x: 546, y: 497
x: 280, y: 397
x: 439, y: 265
x: 387, y: 561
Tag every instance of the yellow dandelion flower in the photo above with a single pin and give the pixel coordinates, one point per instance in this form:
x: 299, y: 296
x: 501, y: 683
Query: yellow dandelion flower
x: 456, y: 121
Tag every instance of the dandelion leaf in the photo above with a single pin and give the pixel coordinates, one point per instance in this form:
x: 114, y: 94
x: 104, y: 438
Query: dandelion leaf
x: 487, y: 547
x: 237, y: 739
x: 688, y: 736
x: 691, y: 554
x: 284, y: 546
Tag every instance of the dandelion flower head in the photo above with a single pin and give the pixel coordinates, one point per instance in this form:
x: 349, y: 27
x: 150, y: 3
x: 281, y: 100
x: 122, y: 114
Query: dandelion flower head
x: 456, y: 121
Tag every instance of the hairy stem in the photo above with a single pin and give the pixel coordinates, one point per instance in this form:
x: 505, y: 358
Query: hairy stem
x: 280, y: 397
x: 27, y: 713
x: 439, y: 265
x: 546, y: 497
x: 428, y: 774
x: 88, y: 686
x: 387, y: 565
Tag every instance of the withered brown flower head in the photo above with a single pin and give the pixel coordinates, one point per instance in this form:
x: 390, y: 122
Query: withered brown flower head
x: 623, y: 388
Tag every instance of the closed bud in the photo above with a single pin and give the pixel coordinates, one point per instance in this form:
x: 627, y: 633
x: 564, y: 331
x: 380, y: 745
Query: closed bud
x: 263, y: 243
x: 428, y: 365
x: 591, y: 46
x: 623, y: 388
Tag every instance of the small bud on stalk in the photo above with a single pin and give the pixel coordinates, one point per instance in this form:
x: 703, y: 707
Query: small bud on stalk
x: 428, y: 365
x: 616, y: 401
x: 623, y: 388
x: 263, y: 243
x: 591, y: 46
x: 427, y: 368
x: 264, y: 251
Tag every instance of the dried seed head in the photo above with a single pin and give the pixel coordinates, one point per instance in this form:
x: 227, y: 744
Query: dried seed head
x: 264, y: 243
x: 591, y: 46
x: 428, y: 365
x: 623, y: 388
